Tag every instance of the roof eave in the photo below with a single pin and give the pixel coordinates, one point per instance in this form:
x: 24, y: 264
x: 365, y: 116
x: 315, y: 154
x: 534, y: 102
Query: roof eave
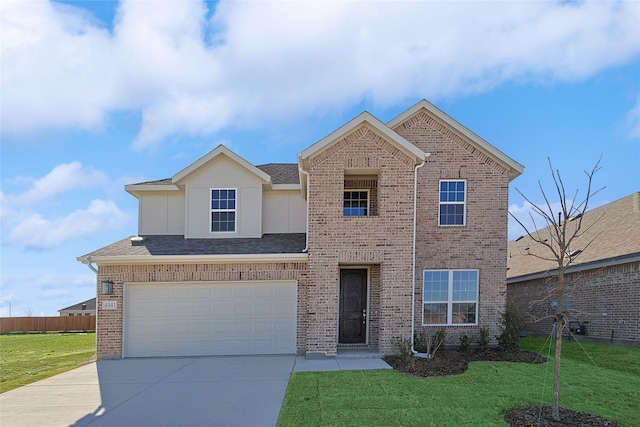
x: 591, y: 265
x: 374, y: 124
x: 220, y: 150
x: 515, y: 169
x: 193, y: 259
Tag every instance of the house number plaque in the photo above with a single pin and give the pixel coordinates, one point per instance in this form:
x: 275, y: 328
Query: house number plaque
x: 109, y: 305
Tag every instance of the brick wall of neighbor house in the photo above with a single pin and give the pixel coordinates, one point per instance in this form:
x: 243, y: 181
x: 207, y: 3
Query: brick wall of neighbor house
x: 607, y: 298
x: 482, y: 243
x: 109, y: 329
x: 382, y: 242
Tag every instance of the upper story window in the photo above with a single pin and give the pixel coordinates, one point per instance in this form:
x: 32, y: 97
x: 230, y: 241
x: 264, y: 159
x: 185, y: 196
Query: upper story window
x: 450, y: 297
x: 356, y: 203
x: 453, y: 199
x: 223, y: 210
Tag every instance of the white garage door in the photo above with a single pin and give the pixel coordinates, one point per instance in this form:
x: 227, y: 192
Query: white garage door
x: 188, y: 319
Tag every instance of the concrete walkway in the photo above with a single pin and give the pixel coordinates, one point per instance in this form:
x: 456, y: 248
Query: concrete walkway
x: 204, y: 391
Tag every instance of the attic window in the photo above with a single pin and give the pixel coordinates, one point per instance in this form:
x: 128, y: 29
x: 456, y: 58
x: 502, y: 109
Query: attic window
x: 223, y: 210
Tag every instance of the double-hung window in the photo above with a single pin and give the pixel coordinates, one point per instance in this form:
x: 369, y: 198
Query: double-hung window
x: 356, y: 203
x: 453, y: 198
x: 450, y: 297
x: 223, y: 210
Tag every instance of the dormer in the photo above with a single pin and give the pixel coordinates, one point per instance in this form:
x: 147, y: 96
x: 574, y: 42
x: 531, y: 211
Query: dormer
x: 217, y: 196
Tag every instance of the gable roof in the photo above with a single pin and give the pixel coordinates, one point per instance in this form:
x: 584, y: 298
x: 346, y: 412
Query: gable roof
x: 374, y: 124
x: 514, y: 168
x: 615, y: 227
x: 90, y: 305
x: 219, y: 150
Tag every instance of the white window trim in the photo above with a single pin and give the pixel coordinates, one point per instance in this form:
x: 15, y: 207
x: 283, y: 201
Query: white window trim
x: 464, y: 203
x: 450, y: 300
x: 211, y: 211
x: 368, y: 202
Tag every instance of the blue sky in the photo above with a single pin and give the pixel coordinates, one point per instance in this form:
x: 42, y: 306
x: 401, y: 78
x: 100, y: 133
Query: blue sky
x: 98, y: 94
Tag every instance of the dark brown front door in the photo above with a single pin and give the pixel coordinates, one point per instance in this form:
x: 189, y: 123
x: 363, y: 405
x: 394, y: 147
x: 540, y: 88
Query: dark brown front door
x: 353, y: 306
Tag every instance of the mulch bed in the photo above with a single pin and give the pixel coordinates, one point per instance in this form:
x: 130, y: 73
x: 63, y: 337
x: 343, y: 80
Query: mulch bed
x: 452, y: 362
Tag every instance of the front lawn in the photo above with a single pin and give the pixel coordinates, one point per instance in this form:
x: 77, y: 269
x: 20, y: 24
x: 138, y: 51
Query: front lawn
x: 27, y: 358
x: 605, y: 382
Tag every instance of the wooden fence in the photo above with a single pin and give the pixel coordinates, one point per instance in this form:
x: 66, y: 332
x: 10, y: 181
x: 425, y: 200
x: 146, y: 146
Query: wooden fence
x: 47, y: 324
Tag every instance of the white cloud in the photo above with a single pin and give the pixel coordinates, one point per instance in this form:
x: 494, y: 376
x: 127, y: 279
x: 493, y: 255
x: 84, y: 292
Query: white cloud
x: 259, y: 61
x: 37, y: 232
x: 62, y: 178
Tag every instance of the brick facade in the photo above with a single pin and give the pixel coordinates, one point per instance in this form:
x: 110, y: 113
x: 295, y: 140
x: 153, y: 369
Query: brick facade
x: 481, y: 243
x: 607, y: 298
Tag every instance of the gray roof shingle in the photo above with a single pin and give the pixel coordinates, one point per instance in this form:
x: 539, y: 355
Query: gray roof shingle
x: 615, y: 227
x: 177, y: 245
x: 281, y: 173
x: 91, y: 305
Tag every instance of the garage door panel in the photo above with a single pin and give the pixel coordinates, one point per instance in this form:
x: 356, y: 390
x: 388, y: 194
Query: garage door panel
x: 209, y: 319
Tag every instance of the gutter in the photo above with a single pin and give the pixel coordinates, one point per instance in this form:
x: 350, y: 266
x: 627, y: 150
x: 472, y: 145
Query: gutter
x: 413, y: 292
x: 191, y: 259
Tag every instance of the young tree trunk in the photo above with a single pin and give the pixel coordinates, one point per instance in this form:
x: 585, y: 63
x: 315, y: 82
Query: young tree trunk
x: 555, y: 409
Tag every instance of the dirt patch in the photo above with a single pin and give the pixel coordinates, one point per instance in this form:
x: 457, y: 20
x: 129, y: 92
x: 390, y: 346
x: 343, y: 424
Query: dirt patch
x: 452, y: 362
x: 540, y: 416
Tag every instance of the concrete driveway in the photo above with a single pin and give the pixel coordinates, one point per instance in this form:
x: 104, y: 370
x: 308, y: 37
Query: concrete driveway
x: 206, y: 391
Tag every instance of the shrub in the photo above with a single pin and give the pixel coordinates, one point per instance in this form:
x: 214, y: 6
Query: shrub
x: 421, y: 342
x: 403, y: 349
x: 464, y: 342
x: 483, y: 339
x: 510, y: 325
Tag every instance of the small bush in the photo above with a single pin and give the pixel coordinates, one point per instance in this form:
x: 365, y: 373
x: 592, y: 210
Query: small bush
x: 510, y: 325
x: 483, y: 339
x: 403, y: 349
x: 421, y: 342
x: 464, y: 342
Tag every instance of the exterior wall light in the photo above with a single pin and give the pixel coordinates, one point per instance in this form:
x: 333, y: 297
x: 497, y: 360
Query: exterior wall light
x: 107, y: 287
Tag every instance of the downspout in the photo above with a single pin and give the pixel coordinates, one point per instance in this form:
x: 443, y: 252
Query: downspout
x: 306, y: 247
x: 413, y: 293
x: 87, y: 261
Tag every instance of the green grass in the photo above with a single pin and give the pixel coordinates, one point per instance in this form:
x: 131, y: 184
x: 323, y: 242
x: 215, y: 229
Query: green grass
x: 27, y: 358
x: 605, y: 382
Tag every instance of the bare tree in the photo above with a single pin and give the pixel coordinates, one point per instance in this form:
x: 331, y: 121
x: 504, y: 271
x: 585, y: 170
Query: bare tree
x: 558, y: 240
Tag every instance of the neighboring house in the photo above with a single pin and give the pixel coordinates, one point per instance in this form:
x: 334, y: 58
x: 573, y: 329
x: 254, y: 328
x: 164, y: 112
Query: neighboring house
x: 331, y: 252
x: 605, y: 304
x: 84, y: 308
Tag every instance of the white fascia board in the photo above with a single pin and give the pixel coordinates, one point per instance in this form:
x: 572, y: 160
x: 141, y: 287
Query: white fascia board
x: 514, y: 167
x: 151, y: 187
x: 220, y: 149
x: 194, y: 259
x: 285, y: 186
x: 375, y: 124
